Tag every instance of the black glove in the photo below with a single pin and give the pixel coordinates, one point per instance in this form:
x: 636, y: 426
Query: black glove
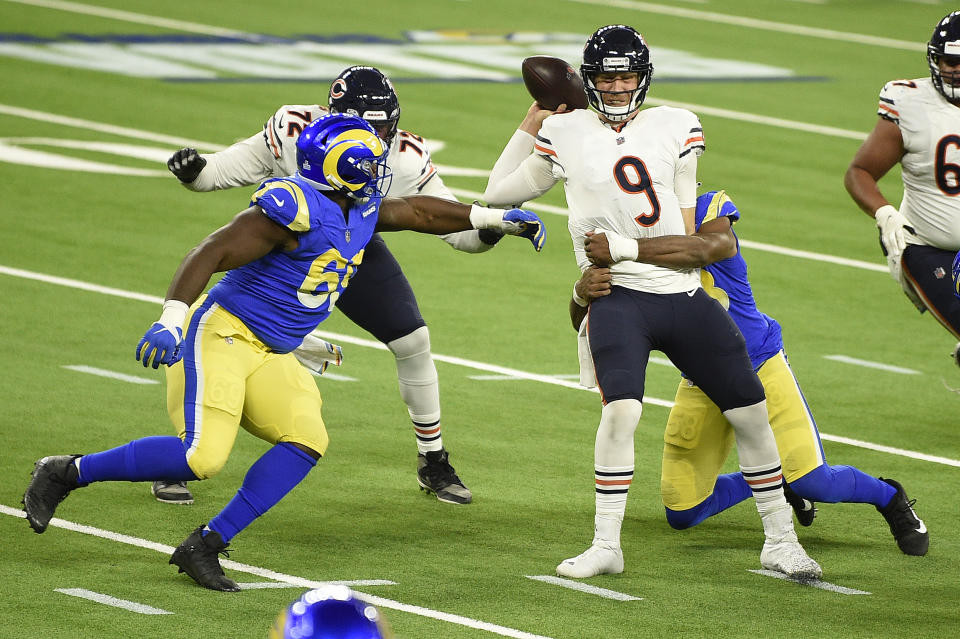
x: 186, y: 164
x: 490, y: 236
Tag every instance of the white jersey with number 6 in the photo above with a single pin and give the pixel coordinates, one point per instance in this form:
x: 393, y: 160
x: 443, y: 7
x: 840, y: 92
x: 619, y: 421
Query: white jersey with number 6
x: 930, y: 127
x: 625, y: 180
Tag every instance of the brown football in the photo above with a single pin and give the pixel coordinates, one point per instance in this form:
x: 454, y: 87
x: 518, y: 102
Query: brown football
x: 552, y: 82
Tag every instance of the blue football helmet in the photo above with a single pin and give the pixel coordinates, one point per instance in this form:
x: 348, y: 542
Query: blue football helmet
x: 332, y: 612
x: 945, y: 42
x: 342, y: 153
x: 616, y: 48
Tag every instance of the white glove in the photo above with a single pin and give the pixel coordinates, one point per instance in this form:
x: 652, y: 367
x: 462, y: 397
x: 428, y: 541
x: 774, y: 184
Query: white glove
x: 316, y: 354
x: 891, y: 222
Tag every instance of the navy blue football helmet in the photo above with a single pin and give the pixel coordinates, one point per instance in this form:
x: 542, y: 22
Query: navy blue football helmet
x: 366, y: 93
x: 342, y: 153
x: 332, y: 612
x: 613, y: 48
x: 945, y: 43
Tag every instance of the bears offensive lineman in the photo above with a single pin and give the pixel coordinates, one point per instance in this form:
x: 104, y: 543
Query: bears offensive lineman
x: 630, y: 173
x: 919, y: 127
x: 698, y: 439
x: 380, y: 300
x: 288, y: 257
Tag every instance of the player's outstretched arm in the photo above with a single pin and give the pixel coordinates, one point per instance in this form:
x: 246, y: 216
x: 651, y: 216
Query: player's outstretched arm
x: 249, y: 236
x: 245, y: 163
x: 713, y: 242
x: 433, y: 215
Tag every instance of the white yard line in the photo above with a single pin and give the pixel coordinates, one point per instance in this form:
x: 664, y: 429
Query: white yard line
x: 822, y: 585
x: 292, y: 580
x: 100, y: 372
x: 458, y: 361
x: 107, y: 600
x: 582, y: 587
x: 139, y: 18
x: 868, y: 364
x: 755, y: 23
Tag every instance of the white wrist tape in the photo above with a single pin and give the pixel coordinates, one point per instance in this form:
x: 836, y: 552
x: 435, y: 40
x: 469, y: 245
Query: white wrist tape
x: 482, y: 217
x: 622, y: 249
x: 174, y: 314
x: 579, y: 301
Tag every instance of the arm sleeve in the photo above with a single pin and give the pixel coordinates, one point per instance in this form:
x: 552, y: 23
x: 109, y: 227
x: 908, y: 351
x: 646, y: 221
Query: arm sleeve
x: 517, y: 175
x: 685, y: 181
x: 245, y: 163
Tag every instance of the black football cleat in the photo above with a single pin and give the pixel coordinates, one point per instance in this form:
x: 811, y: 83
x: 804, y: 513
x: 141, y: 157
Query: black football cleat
x: 51, y: 481
x: 908, y: 529
x: 436, y: 475
x: 803, y: 508
x: 197, y: 556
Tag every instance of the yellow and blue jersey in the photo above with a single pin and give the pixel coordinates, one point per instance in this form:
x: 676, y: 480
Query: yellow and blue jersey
x: 284, y: 295
x: 726, y: 281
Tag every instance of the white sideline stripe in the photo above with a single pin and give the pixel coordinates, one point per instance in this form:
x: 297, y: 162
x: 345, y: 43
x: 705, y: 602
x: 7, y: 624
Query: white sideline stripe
x: 139, y: 18
x: 111, y: 374
x: 474, y: 195
x: 501, y: 370
x: 754, y: 23
x: 868, y: 364
x: 288, y: 579
x: 946, y: 461
x: 107, y: 600
x: 822, y: 585
x: 353, y: 583
x: 582, y: 587
x: 335, y: 377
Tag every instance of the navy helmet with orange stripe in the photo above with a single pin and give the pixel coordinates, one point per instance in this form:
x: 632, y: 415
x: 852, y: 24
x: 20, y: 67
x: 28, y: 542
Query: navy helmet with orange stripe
x: 945, y: 43
x: 611, y: 49
x: 366, y: 93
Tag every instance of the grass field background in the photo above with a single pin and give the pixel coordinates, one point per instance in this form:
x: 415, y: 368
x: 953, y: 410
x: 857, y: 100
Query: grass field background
x: 779, y: 146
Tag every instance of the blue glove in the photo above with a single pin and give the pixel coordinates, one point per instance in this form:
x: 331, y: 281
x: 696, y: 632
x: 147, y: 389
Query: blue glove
x: 525, y: 224
x: 160, y: 343
x: 955, y: 273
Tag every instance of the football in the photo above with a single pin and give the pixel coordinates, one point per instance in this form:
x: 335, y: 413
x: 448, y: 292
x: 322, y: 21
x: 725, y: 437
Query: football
x: 552, y: 82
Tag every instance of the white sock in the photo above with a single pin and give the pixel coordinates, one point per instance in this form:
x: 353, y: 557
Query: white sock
x: 759, y: 459
x: 613, y: 467
x: 419, y: 387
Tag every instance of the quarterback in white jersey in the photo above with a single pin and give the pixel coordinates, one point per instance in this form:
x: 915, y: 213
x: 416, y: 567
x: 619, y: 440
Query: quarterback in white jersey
x: 630, y: 175
x: 379, y: 299
x: 919, y: 128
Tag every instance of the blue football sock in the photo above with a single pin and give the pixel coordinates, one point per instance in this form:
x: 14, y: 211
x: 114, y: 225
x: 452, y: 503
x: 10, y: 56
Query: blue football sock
x: 833, y: 484
x: 144, y: 459
x: 270, y: 478
x: 729, y: 490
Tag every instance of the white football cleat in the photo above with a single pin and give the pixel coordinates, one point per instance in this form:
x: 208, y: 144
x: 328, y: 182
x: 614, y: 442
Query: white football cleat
x: 595, y: 560
x: 781, y: 550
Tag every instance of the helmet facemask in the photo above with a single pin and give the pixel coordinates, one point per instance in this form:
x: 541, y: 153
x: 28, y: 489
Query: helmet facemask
x: 616, y: 49
x: 945, y: 44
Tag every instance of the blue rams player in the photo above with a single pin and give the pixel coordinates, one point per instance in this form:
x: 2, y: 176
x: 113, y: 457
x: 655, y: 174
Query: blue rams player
x: 288, y: 257
x: 698, y: 438
x: 380, y: 299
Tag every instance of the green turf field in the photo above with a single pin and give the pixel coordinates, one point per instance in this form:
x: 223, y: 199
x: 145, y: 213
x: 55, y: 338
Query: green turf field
x: 785, y: 90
